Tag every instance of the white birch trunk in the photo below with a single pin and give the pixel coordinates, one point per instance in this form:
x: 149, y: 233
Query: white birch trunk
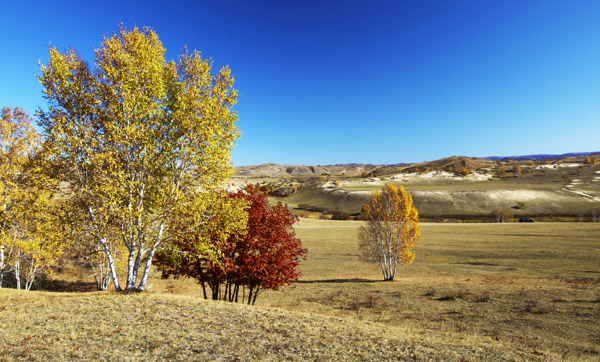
x: 390, y: 245
x: 101, y: 274
x: 17, y: 269
x: 107, y: 252
x: 144, y: 280
x: 30, y: 277
x: 1, y: 264
x: 130, y: 267
x: 111, y: 264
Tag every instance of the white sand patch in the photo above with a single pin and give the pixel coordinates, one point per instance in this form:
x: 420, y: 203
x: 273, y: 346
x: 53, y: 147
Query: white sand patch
x: 521, y: 195
x: 475, y: 176
x: 557, y: 165
x: 328, y: 185
x: 361, y: 192
x: 430, y: 193
x: 584, y: 194
x: 439, y: 175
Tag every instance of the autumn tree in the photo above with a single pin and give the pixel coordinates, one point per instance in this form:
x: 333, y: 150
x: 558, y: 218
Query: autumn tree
x: 463, y: 171
x: 30, y: 235
x: 268, y: 254
x: 264, y: 254
x: 138, y: 139
x: 502, y: 215
x: 18, y: 141
x: 200, y: 252
x: 517, y: 170
x: 391, y: 230
x: 594, y: 214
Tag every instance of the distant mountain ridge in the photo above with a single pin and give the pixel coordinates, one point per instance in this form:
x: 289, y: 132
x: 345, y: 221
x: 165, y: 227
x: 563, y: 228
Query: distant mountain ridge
x: 540, y: 157
x: 354, y: 169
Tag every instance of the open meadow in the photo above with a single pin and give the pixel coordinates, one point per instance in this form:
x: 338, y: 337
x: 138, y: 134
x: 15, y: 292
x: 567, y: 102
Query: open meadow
x: 475, y: 291
x: 533, y: 288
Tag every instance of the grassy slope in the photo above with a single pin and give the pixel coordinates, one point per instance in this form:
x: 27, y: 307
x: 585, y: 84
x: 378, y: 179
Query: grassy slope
x: 41, y: 326
x: 475, y: 292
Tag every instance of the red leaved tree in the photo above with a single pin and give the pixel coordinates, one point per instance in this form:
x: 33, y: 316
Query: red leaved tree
x: 265, y: 255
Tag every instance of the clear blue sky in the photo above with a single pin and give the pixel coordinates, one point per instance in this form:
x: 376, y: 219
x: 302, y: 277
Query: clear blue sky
x: 324, y: 82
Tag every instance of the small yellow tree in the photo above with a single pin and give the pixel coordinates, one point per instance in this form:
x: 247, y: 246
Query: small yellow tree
x: 391, y: 230
x: 517, y: 170
x: 502, y: 215
x: 30, y: 238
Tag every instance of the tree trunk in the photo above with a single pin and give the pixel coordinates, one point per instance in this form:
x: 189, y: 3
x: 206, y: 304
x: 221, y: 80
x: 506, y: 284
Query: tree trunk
x: 142, y: 285
x: 30, y: 277
x: 157, y: 242
x: 215, y: 288
x: 107, y: 252
x: 130, y: 266
x: 17, y: 269
x: 249, y: 295
x: 101, y: 275
x: 203, y: 285
x: 1, y: 264
x: 255, y: 295
x: 111, y: 264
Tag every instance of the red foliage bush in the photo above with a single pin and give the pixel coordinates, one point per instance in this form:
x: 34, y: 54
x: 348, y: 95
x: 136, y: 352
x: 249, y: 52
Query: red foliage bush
x: 265, y: 257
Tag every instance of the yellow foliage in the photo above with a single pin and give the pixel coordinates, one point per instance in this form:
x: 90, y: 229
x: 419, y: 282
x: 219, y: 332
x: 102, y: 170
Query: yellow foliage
x: 392, y: 229
x: 30, y: 235
x: 137, y: 137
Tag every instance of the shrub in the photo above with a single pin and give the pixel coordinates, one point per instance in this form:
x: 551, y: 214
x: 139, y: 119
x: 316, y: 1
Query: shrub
x: 340, y: 215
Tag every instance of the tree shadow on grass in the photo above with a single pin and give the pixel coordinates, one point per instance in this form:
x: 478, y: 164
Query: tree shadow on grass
x: 352, y: 280
x: 56, y: 285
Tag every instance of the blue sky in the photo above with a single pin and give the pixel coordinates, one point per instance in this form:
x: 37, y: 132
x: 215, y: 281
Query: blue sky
x: 326, y: 82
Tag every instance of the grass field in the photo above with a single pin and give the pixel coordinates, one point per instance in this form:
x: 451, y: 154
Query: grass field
x: 474, y: 292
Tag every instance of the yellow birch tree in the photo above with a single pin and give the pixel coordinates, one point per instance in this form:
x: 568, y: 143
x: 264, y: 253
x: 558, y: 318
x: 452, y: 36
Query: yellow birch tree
x: 391, y: 230
x: 30, y: 237
x: 137, y: 138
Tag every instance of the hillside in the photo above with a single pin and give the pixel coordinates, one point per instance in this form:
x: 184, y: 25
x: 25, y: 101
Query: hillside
x: 452, y: 187
x: 273, y: 170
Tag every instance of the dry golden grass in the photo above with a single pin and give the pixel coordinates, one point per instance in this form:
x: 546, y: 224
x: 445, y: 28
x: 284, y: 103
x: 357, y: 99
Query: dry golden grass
x: 42, y: 326
x: 533, y: 289
x: 475, y: 292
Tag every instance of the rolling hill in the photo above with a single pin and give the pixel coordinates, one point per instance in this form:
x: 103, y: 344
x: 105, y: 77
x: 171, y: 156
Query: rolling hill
x: 568, y: 187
